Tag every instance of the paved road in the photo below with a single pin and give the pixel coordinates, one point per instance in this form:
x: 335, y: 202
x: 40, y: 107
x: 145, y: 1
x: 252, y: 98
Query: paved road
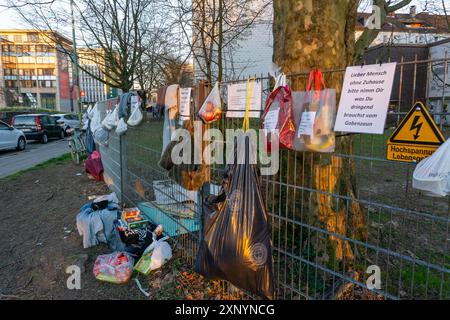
x: 35, y: 153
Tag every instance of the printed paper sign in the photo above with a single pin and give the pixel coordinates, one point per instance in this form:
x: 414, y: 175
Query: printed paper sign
x: 134, y: 99
x: 365, y: 98
x: 237, y: 98
x: 185, y: 103
x: 271, y: 120
x: 306, y: 126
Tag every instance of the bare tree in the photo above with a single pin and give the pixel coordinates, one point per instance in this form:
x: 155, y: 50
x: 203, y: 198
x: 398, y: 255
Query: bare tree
x: 164, y: 49
x: 111, y: 32
x: 384, y: 8
x: 211, y: 26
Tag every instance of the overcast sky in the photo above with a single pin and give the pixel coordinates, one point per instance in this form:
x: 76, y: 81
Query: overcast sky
x: 9, y: 19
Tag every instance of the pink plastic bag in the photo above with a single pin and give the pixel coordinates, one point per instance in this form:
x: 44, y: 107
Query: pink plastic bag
x: 94, y: 166
x: 116, y: 267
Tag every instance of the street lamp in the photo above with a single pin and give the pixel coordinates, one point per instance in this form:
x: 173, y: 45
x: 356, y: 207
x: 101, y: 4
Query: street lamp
x: 75, y: 60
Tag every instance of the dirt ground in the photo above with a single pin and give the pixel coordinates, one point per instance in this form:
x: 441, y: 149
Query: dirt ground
x: 40, y: 240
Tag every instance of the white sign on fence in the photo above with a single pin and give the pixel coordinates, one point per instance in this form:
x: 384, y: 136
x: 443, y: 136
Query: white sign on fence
x: 237, y: 97
x: 185, y: 103
x: 365, y: 98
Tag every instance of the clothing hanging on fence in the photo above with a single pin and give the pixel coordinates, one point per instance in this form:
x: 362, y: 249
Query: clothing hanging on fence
x: 188, y: 175
x: 125, y: 100
x: 170, y: 114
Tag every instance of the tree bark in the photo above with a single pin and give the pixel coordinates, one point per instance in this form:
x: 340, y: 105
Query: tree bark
x: 321, y: 34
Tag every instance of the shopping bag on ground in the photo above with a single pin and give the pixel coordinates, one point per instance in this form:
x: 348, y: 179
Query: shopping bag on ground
x: 115, y: 268
x: 211, y: 109
x: 94, y: 166
x: 155, y: 256
x: 432, y: 174
x: 315, y: 114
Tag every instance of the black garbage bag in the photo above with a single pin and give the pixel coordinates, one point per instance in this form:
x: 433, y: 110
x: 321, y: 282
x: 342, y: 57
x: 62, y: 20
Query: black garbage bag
x: 236, y: 241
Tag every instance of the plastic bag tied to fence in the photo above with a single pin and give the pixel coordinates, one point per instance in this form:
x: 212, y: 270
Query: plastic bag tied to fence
x: 278, y: 116
x: 236, y: 238
x: 211, y: 109
x: 96, y: 122
x: 136, y: 116
x: 315, y: 114
x: 111, y: 119
x: 121, y: 127
x: 432, y: 174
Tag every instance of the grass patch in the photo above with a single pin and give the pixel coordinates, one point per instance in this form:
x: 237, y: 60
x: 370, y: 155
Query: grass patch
x: 65, y: 158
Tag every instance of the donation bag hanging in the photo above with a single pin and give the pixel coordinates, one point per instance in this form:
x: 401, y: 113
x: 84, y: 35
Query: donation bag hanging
x: 278, y: 117
x: 236, y: 237
x: 315, y: 115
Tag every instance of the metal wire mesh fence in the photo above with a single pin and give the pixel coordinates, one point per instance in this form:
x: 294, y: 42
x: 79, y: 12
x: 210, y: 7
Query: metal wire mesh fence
x: 383, y: 223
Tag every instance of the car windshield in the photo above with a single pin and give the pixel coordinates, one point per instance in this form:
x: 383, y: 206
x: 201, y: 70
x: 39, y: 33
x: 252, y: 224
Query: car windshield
x: 31, y: 120
x: 57, y: 118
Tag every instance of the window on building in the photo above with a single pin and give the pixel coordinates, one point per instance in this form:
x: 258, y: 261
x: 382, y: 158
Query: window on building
x: 33, y: 37
x: 28, y: 83
x: 18, y: 38
x: 48, y: 100
x: 47, y: 84
x: 10, y: 84
x: 46, y: 72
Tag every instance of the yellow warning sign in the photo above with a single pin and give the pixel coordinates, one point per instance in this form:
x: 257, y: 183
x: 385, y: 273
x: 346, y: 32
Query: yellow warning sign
x: 416, y: 138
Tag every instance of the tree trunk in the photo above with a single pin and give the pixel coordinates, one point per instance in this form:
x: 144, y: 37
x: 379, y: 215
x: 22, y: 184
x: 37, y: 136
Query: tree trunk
x: 321, y: 34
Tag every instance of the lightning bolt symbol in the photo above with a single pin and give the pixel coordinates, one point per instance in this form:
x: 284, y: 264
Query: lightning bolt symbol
x: 416, y: 126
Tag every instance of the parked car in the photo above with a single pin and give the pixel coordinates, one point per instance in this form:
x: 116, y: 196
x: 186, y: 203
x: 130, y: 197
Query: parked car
x: 41, y: 127
x: 11, y: 138
x: 67, y: 121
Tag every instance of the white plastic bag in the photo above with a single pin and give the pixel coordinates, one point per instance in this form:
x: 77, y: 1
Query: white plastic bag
x: 280, y: 81
x: 85, y: 122
x: 101, y: 136
x: 432, y: 174
x: 136, y: 116
x: 155, y: 256
x: 121, y: 127
x: 104, y: 123
x: 211, y: 109
x: 96, y: 122
x: 111, y: 119
x: 90, y: 112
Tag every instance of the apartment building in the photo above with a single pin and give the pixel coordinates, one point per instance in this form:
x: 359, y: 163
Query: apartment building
x: 35, y: 70
x: 92, y: 70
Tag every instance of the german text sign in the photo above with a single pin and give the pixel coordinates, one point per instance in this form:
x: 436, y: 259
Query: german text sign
x: 237, y: 99
x: 365, y: 98
x: 185, y: 103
